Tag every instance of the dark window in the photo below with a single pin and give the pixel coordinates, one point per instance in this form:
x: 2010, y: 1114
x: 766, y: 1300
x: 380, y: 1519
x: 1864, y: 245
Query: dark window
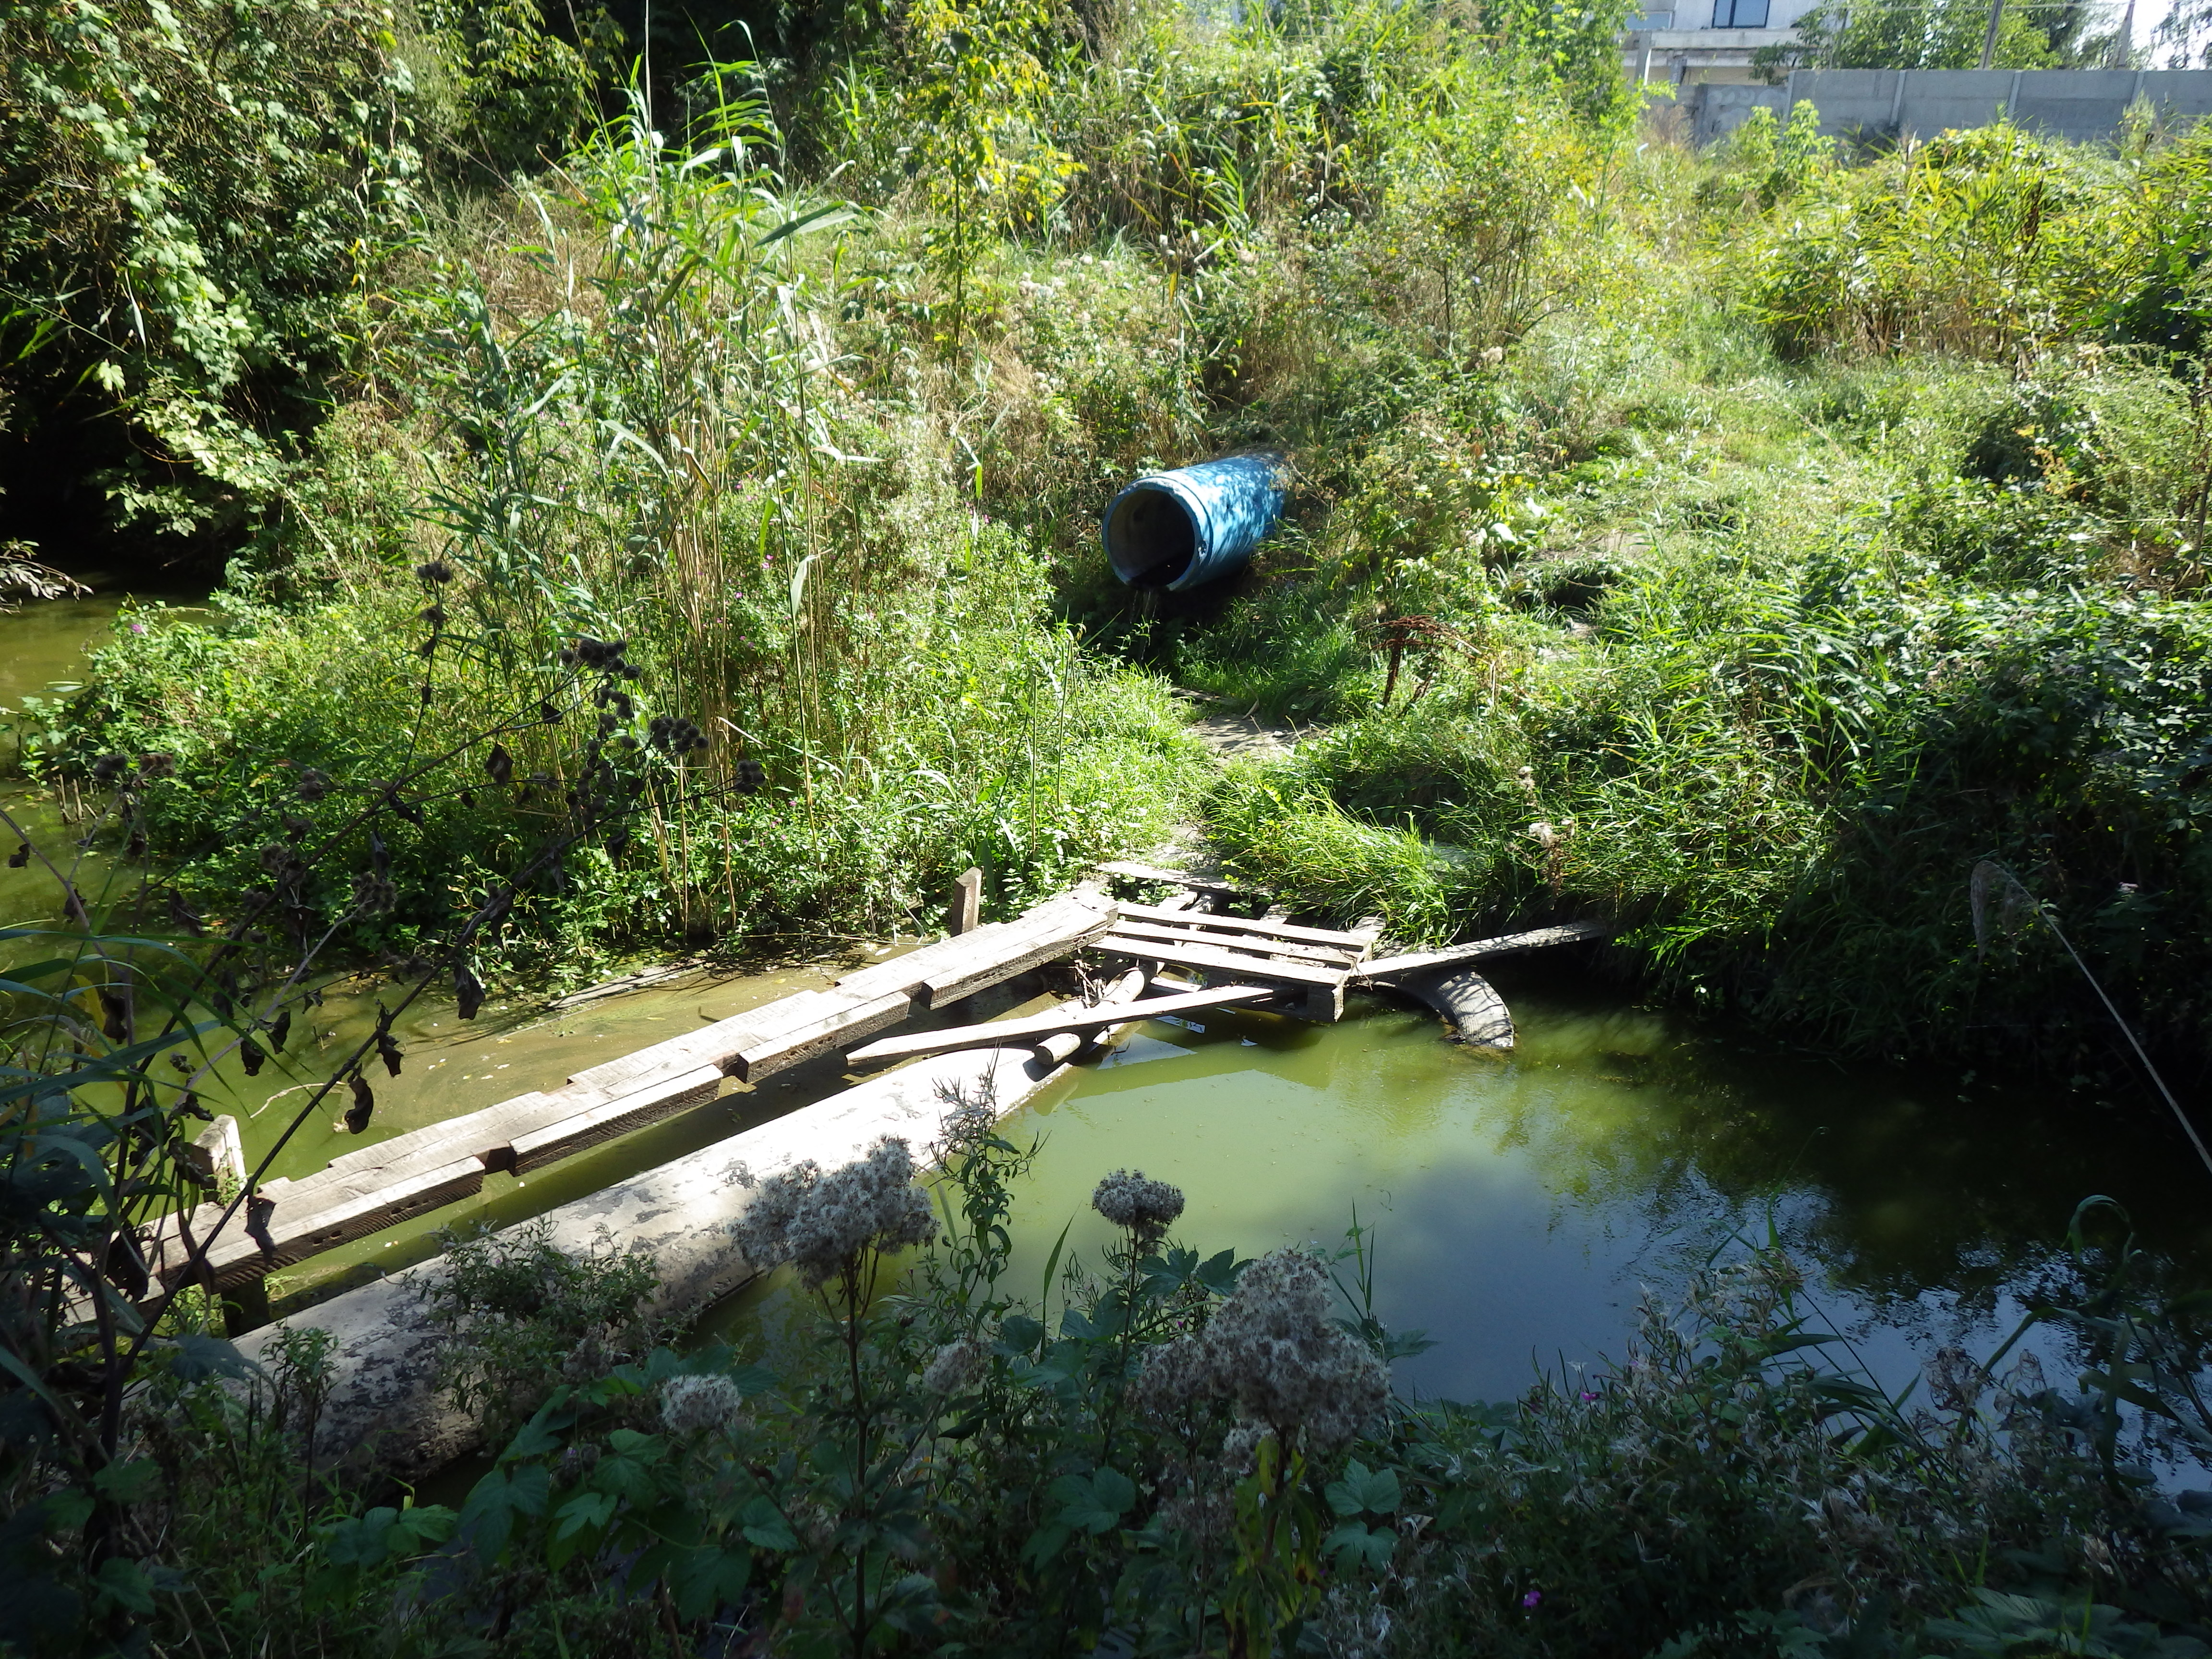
x: 1739, y: 14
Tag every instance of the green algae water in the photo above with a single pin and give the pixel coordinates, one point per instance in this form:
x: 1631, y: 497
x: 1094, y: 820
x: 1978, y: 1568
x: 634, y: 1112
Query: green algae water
x: 1520, y: 1205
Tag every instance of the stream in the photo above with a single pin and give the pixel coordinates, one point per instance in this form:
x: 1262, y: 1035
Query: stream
x: 1520, y: 1206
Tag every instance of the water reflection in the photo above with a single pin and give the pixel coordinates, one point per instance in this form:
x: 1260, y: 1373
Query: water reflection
x: 1523, y: 1203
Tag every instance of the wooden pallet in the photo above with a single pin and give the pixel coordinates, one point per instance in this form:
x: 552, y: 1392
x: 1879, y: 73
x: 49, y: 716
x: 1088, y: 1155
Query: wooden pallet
x: 1309, y: 966
x: 1420, y: 962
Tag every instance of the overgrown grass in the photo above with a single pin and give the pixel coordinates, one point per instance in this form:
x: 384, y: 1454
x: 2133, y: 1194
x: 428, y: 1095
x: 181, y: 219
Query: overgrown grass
x: 1738, y: 547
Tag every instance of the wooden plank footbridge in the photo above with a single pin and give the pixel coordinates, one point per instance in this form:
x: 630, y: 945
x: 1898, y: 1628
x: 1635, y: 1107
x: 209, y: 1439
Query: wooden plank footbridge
x: 1222, y: 960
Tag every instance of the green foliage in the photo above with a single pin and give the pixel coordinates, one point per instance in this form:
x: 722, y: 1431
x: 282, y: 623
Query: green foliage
x: 151, y: 155
x: 1474, y: 187
x: 515, y: 1313
x: 678, y: 464
x: 1573, y: 48
x: 976, y: 83
x: 120, y: 1010
x: 938, y: 1458
x: 1768, y: 160
x: 1990, y: 242
x: 1893, y: 35
x: 522, y: 96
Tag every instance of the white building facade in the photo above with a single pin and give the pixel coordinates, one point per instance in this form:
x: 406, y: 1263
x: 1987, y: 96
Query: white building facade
x: 1701, y: 42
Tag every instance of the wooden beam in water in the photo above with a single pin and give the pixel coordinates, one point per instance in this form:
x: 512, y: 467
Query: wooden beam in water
x: 388, y: 1181
x: 537, y: 1148
x: 992, y: 1034
x: 778, y: 1051
x: 1326, y: 955
x: 1568, y: 934
x: 1066, y: 921
x: 1358, y: 941
x: 1215, y: 960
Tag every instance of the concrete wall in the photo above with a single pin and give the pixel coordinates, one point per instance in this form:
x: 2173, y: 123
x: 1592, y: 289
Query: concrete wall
x: 2078, y: 104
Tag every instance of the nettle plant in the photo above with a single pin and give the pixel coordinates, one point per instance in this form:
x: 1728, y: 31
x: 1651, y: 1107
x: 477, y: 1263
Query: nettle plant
x: 1155, y: 1455
x: 117, y: 1012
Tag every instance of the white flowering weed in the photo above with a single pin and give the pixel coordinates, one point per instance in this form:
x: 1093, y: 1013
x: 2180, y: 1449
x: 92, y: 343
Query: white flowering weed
x: 955, y: 1366
x: 1273, y: 1349
x: 820, y: 1223
x: 1146, y: 1208
x: 689, y: 1404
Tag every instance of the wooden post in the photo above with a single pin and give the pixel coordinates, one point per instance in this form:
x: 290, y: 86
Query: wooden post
x: 216, y: 1154
x: 966, y: 908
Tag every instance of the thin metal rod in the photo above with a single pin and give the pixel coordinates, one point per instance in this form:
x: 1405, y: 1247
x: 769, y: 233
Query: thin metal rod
x: 2180, y: 1117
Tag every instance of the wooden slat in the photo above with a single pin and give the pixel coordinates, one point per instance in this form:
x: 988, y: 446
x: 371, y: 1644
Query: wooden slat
x: 992, y: 1033
x: 832, y: 1028
x: 1333, y: 956
x: 237, y: 1260
x: 1180, y: 878
x: 1356, y: 941
x: 717, y: 1041
x: 906, y: 973
x: 950, y: 960
x: 1569, y: 933
x: 611, y: 1118
x: 1220, y: 961
x: 945, y: 987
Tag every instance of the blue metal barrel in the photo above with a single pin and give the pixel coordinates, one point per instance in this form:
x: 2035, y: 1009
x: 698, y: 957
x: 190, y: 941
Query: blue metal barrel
x: 1195, y: 525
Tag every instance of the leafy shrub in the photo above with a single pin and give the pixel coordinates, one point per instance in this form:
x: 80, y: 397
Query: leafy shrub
x: 1193, y: 1456
x: 519, y: 1316
x: 147, y: 150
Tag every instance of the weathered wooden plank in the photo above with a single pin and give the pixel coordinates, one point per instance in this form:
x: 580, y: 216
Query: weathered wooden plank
x: 681, y: 1053
x: 1064, y: 917
x: 383, y: 1410
x: 943, y: 989
x: 237, y: 1259
x: 1180, y: 878
x: 962, y: 913
x: 1221, y: 962
x: 627, y: 982
x: 1326, y: 955
x: 376, y: 1186
x: 992, y: 1033
x: 1568, y: 934
x: 611, y: 1118
x: 1357, y: 940
x: 833, y: 1028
